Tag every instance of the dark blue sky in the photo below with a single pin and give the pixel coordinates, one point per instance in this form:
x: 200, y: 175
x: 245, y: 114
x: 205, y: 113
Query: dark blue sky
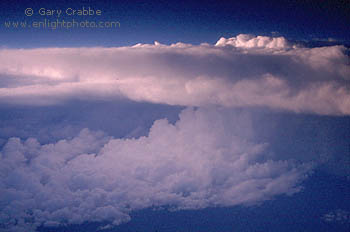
x: 174, y: 21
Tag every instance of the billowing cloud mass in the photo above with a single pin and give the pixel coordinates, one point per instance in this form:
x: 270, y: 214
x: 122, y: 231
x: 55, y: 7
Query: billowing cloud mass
x: 250, y: 41
x: 240, y: 71
x: 127, y: 158
x: 205, y: 159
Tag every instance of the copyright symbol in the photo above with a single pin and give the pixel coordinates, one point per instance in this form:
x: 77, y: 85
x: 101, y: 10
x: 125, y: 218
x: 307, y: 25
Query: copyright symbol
x: 29, y: 12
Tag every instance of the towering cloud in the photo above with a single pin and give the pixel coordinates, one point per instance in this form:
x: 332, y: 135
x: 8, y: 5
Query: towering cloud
x: 204, y: 159
x: 250, y: 41
x: 208, y: 157
x: 240, y: 71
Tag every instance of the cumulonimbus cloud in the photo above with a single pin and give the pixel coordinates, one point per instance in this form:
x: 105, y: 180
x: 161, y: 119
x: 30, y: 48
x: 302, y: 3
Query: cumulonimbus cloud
x: 240, y: 71
x: 204, y: 159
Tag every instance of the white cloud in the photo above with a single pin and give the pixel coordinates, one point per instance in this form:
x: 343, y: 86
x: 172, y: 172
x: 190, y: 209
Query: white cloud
x: 250, y: 41
x: 205, y: 159
x: 240, y: 71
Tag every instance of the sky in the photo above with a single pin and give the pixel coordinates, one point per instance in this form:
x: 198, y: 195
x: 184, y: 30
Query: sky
x: 168, y: 22
x: 174, y: 116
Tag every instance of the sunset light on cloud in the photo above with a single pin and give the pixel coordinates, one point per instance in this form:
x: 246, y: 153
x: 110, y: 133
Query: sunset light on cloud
x: 240, y: 71
x: 172, y: 122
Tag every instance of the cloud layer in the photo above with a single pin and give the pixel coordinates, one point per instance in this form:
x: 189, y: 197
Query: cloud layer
x: 204, y: 159
x: 240, y: 71
x: 213, y: 155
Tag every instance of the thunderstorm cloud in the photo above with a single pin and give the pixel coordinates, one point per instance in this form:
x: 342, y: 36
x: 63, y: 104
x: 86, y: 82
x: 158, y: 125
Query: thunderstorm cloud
x: 240, y: 71
x: 73, y: 167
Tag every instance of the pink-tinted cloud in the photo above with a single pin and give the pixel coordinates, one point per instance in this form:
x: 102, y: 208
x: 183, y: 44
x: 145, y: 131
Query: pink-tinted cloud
x: 240, y: 71
x: 202, y: 160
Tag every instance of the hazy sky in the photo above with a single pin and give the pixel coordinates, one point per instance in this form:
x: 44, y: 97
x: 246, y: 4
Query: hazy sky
x: 174, y: 116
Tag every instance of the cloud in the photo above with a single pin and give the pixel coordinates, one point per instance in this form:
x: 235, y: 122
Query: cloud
x: 240, y: 71
x: 48, y: 124
x: 212, y: 156
x: 205, y: 159
x: 338, y: 216
x: 250, y: 41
